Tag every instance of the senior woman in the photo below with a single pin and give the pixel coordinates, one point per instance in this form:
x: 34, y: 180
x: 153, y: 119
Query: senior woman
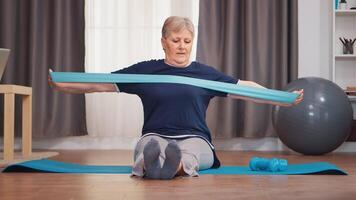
x: 175, y: 137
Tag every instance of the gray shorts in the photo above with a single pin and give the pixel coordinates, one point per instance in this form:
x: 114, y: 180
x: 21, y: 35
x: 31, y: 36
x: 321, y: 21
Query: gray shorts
x: 196, y: 154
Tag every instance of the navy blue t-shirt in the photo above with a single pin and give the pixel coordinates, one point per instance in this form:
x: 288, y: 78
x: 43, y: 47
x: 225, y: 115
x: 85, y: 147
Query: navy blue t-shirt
x: 174, y: 109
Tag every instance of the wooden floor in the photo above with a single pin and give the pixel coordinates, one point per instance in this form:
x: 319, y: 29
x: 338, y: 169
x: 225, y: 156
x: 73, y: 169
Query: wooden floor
x: 79, y: 186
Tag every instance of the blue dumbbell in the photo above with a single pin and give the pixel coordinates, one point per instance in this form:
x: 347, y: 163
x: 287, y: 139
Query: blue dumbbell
x: 272, y: 165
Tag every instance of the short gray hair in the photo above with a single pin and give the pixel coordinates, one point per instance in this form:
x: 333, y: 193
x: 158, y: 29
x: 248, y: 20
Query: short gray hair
x: 176, y: 24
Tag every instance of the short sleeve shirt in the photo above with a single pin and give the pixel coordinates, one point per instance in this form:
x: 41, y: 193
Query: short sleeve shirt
x: 172, y: 109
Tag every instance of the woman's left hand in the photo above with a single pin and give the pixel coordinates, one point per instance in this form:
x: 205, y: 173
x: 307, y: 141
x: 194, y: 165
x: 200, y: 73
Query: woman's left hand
x: 300, y: 96
x: 297, y: 100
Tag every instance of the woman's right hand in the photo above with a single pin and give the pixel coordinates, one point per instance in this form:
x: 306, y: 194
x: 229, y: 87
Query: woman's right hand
x: 80, y: 88
x: 49, y: 78
x: 54, y: 85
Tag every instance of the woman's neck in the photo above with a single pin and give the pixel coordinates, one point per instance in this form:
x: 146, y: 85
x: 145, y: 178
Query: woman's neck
x: 184, y: 65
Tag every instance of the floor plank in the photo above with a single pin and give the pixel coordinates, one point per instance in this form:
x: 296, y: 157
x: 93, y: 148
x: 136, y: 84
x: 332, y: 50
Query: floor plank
x: 94, y: 186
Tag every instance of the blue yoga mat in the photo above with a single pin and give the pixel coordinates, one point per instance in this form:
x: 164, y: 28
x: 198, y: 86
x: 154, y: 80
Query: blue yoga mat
x: 259, y: 93
x: 51, y: 166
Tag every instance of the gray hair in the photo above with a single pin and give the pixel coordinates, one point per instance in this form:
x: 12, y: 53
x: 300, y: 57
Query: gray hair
x: 176, y: 24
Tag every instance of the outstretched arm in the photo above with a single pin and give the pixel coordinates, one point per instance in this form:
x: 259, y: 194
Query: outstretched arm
x: 253, y: 84
x: 80, y: 88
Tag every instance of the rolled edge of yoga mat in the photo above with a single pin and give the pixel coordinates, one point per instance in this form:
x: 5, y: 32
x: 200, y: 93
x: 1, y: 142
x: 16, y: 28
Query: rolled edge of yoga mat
x: 52, y: 166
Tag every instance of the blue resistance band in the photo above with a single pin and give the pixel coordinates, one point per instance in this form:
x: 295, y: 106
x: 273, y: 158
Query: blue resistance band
x: 258, y: 93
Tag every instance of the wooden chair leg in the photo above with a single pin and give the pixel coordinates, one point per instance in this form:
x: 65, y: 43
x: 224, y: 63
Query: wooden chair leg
x: 9, y: 126
x: 26, y: 125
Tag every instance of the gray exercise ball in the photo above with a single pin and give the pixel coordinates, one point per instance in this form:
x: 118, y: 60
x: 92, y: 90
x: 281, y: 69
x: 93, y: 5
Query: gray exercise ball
x: 320, y: 123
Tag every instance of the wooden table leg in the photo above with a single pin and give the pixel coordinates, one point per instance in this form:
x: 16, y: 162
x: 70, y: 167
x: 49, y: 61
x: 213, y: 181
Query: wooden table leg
x: 9, y: 125
x: 26, y: 125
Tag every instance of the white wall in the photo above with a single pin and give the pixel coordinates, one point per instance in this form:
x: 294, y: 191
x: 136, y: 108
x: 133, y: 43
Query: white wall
x: 315, y: 44
x: 315, y: 39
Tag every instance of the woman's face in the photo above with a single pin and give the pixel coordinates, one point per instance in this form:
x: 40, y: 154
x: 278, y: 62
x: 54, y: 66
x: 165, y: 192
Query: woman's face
x: 177, y: 47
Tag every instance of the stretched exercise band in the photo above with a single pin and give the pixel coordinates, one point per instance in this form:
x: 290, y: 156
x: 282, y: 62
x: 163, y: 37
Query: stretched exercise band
x: 258, y: 93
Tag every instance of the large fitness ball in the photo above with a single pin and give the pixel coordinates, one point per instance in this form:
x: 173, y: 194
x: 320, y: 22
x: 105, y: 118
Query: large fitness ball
x: 320, y: 123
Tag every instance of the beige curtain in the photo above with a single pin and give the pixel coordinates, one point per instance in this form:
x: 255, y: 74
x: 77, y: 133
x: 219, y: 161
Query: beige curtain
x: 253, y: 40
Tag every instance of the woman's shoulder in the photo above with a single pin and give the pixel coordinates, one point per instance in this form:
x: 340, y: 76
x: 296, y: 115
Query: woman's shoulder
x: 203, y: 66
x: 214, y: 74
